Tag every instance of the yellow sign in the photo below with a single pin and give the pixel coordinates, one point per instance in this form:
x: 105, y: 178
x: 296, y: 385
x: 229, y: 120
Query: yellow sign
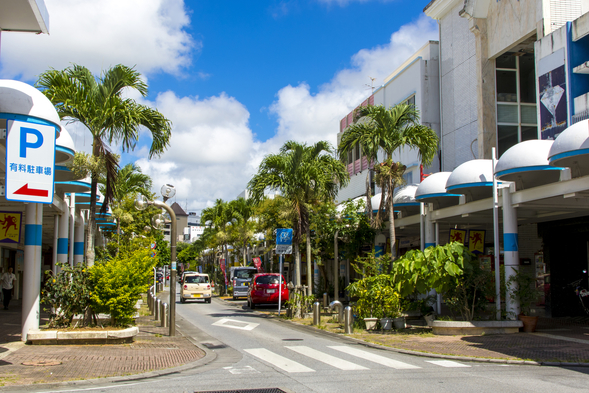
x: 476, y: 241
x: 10, y: 227
x: 457, y: 235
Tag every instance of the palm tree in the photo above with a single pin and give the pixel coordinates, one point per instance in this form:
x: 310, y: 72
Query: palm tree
x: 391, y: 130
x: 99, y: 104
x: 219, y: 215
x: 242, y: 226
x: 129, y: 182
x: 304, y: 175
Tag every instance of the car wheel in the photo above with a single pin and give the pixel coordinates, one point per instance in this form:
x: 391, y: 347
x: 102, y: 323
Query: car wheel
x: 208, y: 300
x: 182, y: 300
x: 234, y: 298
x: 252, y: 305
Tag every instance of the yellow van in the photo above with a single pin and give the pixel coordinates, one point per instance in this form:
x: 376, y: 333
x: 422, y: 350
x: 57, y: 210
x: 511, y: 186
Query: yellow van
x: 196, y: 286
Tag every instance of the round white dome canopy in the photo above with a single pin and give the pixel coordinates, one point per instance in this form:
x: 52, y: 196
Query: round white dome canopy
x: 526, y: 164
x: 64, y: 147
x: 72, y: 186
x: 433, y: 190
x: 571, y: 149
x: 473, y: 178
x: 404, y: 199
x: 23, y: 99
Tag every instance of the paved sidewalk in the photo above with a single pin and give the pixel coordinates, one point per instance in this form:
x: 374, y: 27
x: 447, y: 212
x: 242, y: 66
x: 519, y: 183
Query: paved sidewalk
x: 152, y: 351
x: 557, y: 341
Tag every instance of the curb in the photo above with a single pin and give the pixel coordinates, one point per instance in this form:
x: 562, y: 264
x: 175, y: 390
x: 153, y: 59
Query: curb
x: 424, y: 354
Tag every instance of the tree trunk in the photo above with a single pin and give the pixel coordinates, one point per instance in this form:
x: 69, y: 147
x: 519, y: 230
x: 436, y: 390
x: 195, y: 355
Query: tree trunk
x: 90, y: 253
x: 297, y: 253
x: 369, y: 199
x: 392, y: 226
x: 309, y: 267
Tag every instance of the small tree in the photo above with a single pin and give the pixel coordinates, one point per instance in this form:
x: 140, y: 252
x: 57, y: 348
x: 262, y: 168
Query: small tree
x: 119, y: 283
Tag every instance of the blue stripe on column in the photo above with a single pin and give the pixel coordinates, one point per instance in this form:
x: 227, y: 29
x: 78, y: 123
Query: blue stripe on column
x: 33, y: 235
x: 78, y: 248
x: 429, y: 245
x: 62, y: 245
x: 510, y: 241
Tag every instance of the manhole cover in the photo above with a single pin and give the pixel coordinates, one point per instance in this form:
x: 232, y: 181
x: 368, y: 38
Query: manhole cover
x: 262, y: 390
x: 42, y: 363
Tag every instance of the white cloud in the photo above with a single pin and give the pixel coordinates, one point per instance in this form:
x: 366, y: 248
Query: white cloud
x: 307, y: 117
x: 214, y: 153
x: 101, y: 33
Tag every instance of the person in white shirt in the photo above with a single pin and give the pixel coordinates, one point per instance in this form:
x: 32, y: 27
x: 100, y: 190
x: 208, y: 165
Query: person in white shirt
x: 7, y: 281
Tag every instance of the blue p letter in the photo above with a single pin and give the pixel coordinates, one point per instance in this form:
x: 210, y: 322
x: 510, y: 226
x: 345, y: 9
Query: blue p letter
x: 23, y: 140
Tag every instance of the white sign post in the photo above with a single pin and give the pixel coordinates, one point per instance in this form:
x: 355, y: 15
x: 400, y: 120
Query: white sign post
x: 30, y: 162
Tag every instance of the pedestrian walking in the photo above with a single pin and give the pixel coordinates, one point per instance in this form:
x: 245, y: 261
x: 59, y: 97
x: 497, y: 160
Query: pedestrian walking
x: 7, y: 280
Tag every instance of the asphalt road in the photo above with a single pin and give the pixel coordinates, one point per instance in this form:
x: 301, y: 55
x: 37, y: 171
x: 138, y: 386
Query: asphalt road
x: 254, y: 352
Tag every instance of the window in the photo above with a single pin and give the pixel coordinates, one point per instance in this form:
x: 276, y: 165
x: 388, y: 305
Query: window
x: 410, y: 100
x: 357, y: 151
x: 516, y: 100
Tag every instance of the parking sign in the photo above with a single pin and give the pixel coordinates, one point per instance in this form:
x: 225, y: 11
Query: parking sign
x: 284, y: 241
x: 30, y: 162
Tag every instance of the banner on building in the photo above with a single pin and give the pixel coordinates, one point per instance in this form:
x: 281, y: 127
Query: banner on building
x: 222, y: 263
x: 10, y: 223
x: 458, y: 235
x: 476, y: 241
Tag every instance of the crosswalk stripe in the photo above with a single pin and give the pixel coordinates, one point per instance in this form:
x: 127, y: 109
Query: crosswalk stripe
x: 278, y: 361
x: 328, y: 359
x: 374, y: 358
x: 446, y: 363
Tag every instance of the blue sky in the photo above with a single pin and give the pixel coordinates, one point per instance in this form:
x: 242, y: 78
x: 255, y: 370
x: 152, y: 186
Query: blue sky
x: 237, y: 78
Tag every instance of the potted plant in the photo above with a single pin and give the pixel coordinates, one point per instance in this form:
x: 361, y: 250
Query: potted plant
x: 522, y: 288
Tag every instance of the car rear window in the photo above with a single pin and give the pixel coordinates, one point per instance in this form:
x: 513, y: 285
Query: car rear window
x: 245, y: 274
x: 196, y: 279
x: 267, y: 280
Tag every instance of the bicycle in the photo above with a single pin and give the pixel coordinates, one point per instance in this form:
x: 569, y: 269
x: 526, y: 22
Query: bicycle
x: 581, y: 293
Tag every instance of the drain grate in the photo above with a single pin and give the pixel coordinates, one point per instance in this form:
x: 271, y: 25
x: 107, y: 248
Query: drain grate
x: 262, y: 390
x: 292, y: 339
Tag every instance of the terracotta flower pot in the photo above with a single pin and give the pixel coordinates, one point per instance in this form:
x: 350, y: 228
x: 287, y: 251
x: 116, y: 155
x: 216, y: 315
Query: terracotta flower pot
x: 529, y: 323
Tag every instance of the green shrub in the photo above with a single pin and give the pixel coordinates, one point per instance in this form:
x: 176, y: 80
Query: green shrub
x: 67, y: 294
x: 376, y: 296
x: 119, y: 283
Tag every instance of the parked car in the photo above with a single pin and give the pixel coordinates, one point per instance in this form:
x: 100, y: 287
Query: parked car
x: 264, y: 290
x: 159, y: 277
x: 195, y: 286
x: 181, y: 276
x: 241, y: 278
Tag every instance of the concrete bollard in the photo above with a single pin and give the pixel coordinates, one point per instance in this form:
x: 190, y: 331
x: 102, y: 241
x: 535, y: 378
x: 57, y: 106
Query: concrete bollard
x: 156, y: 314
x: 316, y: 314
x: 164, y: 315
x: 339, y: 307
x: 348, y: 320
x: 325, y: 300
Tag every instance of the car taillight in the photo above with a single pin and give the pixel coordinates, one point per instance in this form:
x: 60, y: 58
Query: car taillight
x: 185, y: 286
x: 234, y: 282
x: 208, y: 287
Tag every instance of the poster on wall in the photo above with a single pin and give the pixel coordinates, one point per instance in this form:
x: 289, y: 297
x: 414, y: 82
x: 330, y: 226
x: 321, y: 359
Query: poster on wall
x: 553, y: 103
x: 476, y: 241
x: 458, y: 235
x: 10, y: 223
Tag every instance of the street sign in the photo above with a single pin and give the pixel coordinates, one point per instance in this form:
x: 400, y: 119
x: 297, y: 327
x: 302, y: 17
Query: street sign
x: 30, y: 162
x: 283, y: 241
x: 153, y: 245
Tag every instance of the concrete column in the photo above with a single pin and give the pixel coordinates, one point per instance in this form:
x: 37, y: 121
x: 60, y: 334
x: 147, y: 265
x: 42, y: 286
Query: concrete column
x: 71, y: 221
x: 63, y: 241
x: 55, y: 242
x: 510, y: 250
x: 79, y: 238
x: 430, y: 237
x: 32, y: 268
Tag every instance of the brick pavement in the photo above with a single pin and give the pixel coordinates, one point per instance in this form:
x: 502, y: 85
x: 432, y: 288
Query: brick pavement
x: 151, y: 350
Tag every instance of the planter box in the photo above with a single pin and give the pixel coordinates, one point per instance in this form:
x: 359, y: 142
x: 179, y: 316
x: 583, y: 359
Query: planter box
x: 48, y: 337
x: 474, y: 328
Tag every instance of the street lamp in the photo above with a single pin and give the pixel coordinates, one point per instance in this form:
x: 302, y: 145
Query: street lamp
x: 141, y: 204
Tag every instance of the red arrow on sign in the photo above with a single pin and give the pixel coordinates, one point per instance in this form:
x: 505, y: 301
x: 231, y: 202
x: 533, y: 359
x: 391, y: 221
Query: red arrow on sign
x: 25, y: 190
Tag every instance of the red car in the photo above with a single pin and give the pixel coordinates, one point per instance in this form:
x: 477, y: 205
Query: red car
x: 264, y: 290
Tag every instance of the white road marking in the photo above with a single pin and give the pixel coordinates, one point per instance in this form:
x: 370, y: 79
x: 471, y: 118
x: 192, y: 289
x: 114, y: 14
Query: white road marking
x: 446, y: 363
x: 327, y: 359
x: 571, y: 339
x: 235, y: 324
x: 279, y: 361
x: 374, y: 358
x: 243, y: 370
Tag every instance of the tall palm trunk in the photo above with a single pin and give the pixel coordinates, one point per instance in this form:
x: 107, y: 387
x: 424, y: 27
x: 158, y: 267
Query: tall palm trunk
x: 90, y: 253
x: 309, y: 265
x: 297, y: 253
